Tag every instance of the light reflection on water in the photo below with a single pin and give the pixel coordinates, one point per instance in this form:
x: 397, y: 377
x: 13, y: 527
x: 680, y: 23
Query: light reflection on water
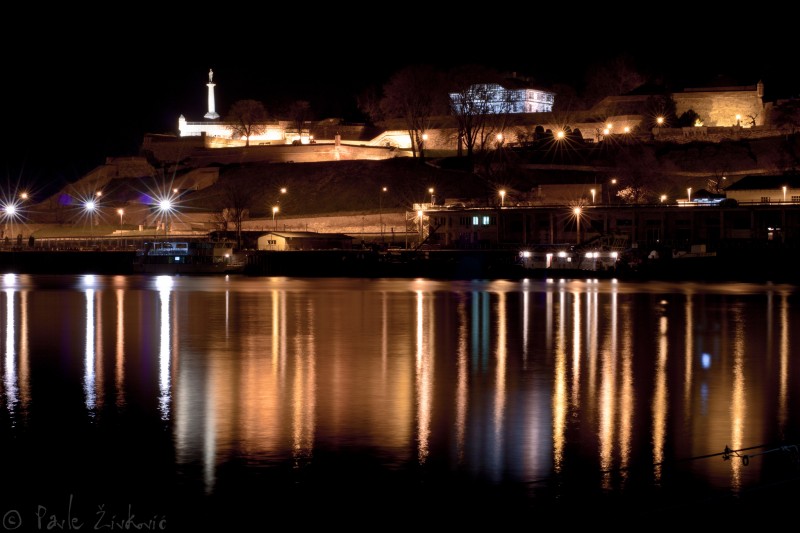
x: 565, y: 388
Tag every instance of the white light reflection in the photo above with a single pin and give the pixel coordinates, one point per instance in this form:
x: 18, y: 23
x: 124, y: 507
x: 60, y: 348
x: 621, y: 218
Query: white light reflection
x: 576, y: 349
x: 10, y: 381
x: 560, y: 407
x: 164, y: 284
x: 424, y: 378
x: 526, y: 324
x: 89, y: 356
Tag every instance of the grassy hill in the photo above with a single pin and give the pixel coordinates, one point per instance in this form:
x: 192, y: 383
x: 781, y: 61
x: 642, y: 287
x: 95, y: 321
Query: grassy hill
x: 338, y: 187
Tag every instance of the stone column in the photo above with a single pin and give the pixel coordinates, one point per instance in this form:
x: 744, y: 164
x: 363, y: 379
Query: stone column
x: 212, y: 114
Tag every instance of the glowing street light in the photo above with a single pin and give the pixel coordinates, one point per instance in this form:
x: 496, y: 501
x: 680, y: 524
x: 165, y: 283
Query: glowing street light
x: 660, y: 121
x: 120, y: 212
x: 165, y: 207
x: 594, y: 191
x: 275, y: 212
x: 577, y: 212
x: 430, y: 191
x: 663, y: 198
x: 560, y: 134
x: 23, y: 195
x: 90, y: 206
x: 689, y: 194
x: 380, y: 209
x: 614, y: 183
x: 784, y: 193
x: 502, y: 197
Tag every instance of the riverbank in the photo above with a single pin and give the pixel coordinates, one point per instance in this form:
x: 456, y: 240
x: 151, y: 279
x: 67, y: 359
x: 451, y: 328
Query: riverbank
x: 767, y: 264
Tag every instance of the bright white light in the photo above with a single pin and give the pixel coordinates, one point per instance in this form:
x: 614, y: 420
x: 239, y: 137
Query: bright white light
x: 165, y: 204
x: 90, y: 205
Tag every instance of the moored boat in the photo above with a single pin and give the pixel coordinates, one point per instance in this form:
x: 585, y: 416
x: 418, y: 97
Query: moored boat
x: 188, y: 257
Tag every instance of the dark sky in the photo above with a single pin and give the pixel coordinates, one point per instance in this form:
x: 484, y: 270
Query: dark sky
x: 78, y: 90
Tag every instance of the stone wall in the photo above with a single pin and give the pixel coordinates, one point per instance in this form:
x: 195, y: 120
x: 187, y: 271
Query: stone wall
x: 720, y: 108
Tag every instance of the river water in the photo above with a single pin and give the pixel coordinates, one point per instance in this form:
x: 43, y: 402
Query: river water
x: 263, y: 403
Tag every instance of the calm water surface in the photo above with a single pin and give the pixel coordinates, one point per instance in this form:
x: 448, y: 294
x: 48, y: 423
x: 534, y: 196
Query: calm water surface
x: 238, y: 403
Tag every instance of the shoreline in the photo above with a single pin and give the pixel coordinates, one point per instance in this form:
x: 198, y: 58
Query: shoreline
x: 756, y: 266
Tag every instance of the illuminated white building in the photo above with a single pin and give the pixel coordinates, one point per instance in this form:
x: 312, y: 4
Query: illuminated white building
x: 497, y: 99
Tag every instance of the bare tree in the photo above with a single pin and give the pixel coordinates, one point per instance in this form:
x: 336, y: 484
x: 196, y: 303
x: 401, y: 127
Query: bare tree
x: 612, y: 78
x: 247, y: 118
x: 415, y: 94
x: 299, y: 113
x: 786, y: 115
x: 369, y: 103
x: 236, y: 197
x: 472, y: 99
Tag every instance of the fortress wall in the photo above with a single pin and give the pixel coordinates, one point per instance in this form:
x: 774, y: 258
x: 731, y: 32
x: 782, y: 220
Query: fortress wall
x: 721, y: 108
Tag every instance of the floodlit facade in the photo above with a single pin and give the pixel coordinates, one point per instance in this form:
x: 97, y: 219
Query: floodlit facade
x: 496, y: 99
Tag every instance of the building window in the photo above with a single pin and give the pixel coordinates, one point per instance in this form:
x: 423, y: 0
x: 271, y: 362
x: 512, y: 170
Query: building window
x: 765, y: 199
x: 475, y: 221
x: 463, y: 221
x: 795, y: 199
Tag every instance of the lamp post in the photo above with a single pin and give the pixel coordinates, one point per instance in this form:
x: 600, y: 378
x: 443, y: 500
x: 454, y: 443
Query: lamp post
x: 432, y: 196
x: 120, y: 212
x: 90, y: 206
x: 419, y: 216
x: 689, y: 195
x: 784, y: 194
x: 577, y: 212
x: 380, y: 210
x: 663, y: 198
x: 165, y: 207
x: 502, y: 197
x: 594, y: 191
x: 614, y: 183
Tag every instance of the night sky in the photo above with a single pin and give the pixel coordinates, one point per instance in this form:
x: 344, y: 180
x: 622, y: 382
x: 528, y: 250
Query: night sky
x: 109, y: 78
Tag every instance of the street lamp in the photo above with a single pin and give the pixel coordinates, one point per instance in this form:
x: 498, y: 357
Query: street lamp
x: 689, y: 194
x: 660, y: 121
x: 431, y: 193
x: 165, y: 208
x: 274, y: 212
x: 502, y: 197
x: 120, y: 212
x: 784, y: 193
x: 90, y: 207
x: 663, y: 198
x: 380, y: 210
x: 577, y: 212
x: 614, y: 183
x: 594, y: 191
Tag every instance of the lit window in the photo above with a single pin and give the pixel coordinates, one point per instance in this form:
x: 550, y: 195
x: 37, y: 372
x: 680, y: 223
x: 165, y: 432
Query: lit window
x: 474, y: 221
x: 485, y: 220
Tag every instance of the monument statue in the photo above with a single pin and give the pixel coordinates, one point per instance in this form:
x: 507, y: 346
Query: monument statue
x: 210, y: 75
